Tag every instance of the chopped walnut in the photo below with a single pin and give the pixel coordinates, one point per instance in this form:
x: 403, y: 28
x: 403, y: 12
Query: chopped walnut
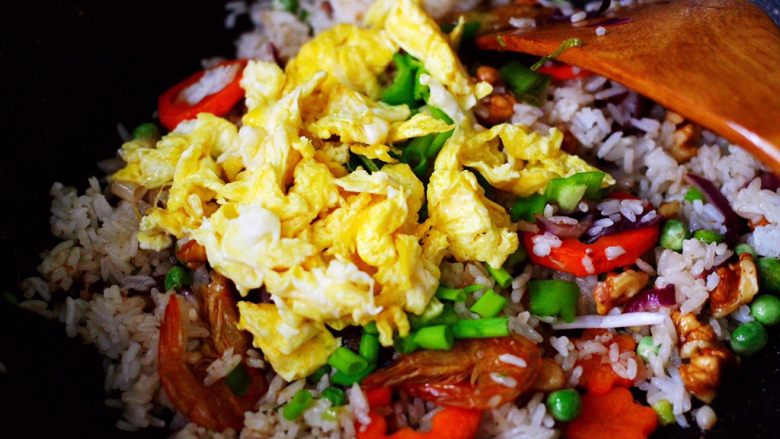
x: 191, y: 254
x: 738, y: 284
x: 551, y: 376
x: 683, y: 148
x: 669, y: 210
x: 495, y: 109
x: 618, y: 288
x: 706, y: 357
x: 674, y: 118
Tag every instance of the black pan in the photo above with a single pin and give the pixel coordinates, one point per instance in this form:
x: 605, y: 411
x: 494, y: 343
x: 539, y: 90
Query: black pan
x: 76, y: 70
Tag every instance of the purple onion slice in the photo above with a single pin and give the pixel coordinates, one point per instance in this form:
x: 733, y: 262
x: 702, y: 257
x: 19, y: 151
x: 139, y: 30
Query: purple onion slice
x: 734, y: 224
x: 564, y: 229
x: 651, y: 300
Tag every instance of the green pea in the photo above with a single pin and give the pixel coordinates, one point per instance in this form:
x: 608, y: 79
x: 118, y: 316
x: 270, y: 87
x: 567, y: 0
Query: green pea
x: 176, y: 278
x: 769, y: 274
x: 564, y: 405
x: 645, y: 346
x: 673, y: 235
x: 708, y: 236
x: 766, y: 309
x: 315, y: 377
x: 748, y: 338
x: 146, y: 130
x: 694, y: 194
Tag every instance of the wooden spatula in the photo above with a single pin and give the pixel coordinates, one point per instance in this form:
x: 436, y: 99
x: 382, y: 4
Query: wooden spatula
x: 716, y: 62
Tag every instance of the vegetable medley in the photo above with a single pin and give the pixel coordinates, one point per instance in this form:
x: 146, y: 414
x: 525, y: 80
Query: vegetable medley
x: 313, y: 209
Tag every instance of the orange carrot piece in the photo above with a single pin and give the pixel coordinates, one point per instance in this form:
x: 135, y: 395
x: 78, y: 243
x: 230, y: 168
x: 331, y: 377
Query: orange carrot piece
x: 450, y: 423
x: 613, y: 415
x: 597, y: 377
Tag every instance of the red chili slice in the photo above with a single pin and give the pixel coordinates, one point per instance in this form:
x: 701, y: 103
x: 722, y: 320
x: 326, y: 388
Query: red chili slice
x: 563, y: 72
x: 569, y: 256
x: 173, y: 109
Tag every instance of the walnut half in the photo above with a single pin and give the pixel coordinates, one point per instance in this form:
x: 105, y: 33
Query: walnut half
x: 706, y: 358
x: 738, y: 284
x: 618, y: 288
x: 683, y: 148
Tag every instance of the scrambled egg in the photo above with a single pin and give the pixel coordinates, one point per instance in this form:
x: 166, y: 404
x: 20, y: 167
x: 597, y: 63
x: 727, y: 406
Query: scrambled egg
x: 275, y: 206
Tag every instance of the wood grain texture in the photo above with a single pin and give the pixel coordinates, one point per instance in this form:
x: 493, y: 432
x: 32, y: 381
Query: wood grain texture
x: 716, y: 62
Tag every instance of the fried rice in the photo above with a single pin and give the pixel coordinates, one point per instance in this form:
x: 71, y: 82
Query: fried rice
x: 119, y: 304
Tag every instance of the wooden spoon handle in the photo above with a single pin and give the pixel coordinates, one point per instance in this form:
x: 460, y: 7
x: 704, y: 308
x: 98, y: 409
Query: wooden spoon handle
x: 716, y: 62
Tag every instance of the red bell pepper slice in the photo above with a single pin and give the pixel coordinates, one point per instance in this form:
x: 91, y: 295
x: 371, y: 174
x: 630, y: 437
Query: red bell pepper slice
x: 173, y: 109
x: 568, y: 257
x: 379, y: 397
x: 563, y: 72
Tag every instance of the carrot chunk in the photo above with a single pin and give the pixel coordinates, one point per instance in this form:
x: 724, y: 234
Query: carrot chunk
x: 613, y: 415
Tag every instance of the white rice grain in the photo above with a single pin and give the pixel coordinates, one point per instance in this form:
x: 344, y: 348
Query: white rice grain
x: 513, y: 360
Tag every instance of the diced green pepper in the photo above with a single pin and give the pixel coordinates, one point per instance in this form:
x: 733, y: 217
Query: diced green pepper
x: 481, y: 328
x: 708, y: 236
x: 369, y: 164
x: 315, y: 377
x: 470, y: 29
x: 335, y: 395
x: 437, y: 337
x: 527, y: 85
x: 568, y: 192
x: 489, y: 304
x: 554, y: 298
x: 369, y: 347
x: 238, y: 380
x: 592, y: 180
x: 402, y: 89
x: 301, y: 401
x: 370, y: 328
x: 501, y: 276
x: 526, y: 208
x: 346, y: 361
x: 518, y: 257
x: 456, y: 294
x: 431, y: 311
x: 343, y: 379
x: 405, y: 345
x: 420, y: 152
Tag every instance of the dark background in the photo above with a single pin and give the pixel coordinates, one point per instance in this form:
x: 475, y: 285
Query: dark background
x: 73, y: 70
